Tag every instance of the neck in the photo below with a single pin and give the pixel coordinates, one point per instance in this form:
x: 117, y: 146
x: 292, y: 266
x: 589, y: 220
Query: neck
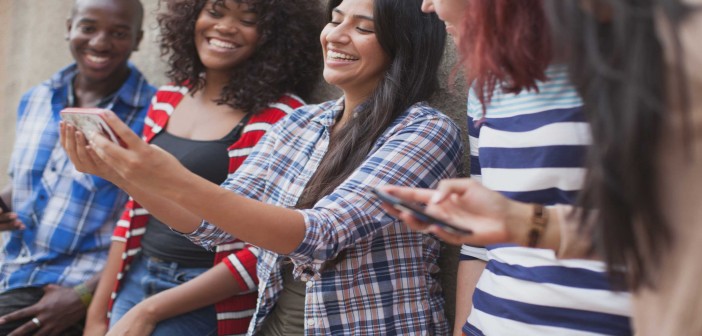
x: 89, y: 93
x: 215, y: 81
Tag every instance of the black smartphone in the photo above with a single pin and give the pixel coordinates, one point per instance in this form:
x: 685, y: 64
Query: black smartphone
x: 4, y: 206
x: 418, y: 211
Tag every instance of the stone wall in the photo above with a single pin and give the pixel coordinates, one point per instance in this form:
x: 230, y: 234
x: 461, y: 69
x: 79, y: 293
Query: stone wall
x: 33, y: 47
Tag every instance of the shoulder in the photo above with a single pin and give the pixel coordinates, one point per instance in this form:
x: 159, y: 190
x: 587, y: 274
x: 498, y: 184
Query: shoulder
x: 284, y: 106
x: 423, y: 115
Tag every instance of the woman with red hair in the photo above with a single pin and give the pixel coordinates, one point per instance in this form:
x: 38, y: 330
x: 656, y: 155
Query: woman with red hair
x: 528, y: 138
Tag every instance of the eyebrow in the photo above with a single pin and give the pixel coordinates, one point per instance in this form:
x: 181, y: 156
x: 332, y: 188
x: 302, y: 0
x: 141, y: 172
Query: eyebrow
x: 358, y: 16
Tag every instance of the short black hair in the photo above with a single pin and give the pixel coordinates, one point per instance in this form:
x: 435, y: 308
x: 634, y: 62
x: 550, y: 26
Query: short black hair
x: 139, y: 10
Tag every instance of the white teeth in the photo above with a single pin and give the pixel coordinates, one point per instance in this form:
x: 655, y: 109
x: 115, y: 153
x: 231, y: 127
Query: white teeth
x: 222, y: 44
x: 339, y: 56
x: 97, y: 59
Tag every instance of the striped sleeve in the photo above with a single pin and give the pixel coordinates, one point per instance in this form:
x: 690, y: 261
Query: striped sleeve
x: 242, y: 264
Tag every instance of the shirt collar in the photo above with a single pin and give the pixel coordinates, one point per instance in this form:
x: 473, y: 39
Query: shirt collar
x: 331, y: 115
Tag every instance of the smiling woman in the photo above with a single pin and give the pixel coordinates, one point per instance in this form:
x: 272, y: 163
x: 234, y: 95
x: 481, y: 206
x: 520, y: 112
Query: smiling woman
x: 302, y: 194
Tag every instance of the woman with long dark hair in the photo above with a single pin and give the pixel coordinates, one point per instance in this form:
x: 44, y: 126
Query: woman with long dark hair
x: 232, y: 79
x: 637, y: 66
x: 332, y: 261
x: 528, y: 138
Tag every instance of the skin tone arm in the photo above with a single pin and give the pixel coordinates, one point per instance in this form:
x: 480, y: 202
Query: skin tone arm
x: 274, y: 228
x: 469, y: 272
x: 492, y: 217
x: 209, y: 288
x: 96, y: 319
x: 8, y: 220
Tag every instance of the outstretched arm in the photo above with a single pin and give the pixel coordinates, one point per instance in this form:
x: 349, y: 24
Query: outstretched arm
x: 493, y: 218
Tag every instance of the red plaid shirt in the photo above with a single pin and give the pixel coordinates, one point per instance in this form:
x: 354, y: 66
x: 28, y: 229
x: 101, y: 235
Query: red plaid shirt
x: 234, y: 313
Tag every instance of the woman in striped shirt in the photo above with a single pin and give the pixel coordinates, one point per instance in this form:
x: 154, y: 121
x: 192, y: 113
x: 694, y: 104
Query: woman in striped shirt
x: 528, y: 138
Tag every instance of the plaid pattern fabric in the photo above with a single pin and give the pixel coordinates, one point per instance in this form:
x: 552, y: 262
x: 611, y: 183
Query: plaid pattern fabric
x: 366, y: 273
x: 69, y: 215
x: 233, y: 314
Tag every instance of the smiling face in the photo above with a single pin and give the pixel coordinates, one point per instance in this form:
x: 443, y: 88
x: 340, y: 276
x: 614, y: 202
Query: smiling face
x: 102, y: 35
x: 225, y: 35
x: 449, y: 11
x: 354, y: 61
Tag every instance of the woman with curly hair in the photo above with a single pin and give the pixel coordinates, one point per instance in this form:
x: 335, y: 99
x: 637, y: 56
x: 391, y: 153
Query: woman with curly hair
x: 332, y: 261
x: 233, y: 77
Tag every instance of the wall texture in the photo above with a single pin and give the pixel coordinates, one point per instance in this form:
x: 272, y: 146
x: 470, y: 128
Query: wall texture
x: 32, y: 48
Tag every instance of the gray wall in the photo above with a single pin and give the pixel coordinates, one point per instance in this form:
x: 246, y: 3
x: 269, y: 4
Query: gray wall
x: 32, y: 48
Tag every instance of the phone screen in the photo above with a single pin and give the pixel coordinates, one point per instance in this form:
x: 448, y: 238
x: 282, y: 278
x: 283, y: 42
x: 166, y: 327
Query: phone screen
x: 418, y: 211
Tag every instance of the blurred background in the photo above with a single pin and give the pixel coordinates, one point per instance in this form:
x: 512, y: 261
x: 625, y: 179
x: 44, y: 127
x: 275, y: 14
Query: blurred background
x: 33, y: 47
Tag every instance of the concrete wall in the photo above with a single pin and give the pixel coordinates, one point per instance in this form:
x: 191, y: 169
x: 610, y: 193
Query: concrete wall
x: 32, y: 48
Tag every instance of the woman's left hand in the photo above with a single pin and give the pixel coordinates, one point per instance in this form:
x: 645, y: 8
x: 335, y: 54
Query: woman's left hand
x: 147, y: 166
x: 135, y: 322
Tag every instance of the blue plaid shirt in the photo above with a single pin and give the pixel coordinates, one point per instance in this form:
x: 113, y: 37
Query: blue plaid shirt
x: 386, y: 281
x: 69, y: 216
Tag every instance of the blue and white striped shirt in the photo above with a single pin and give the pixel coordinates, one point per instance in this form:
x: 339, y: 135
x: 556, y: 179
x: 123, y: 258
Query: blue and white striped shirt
x: 531, y: 148
x: 69, y: 216
x: 386, y: 282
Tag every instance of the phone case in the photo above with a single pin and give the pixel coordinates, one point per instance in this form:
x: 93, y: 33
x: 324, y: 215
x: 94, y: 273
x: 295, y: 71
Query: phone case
x: 88, y: 120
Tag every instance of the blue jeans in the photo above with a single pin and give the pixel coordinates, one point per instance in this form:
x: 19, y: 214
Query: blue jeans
x: 148, y: 276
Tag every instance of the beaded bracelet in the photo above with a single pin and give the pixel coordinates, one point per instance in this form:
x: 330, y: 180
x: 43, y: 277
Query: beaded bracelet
x: 539, y: 221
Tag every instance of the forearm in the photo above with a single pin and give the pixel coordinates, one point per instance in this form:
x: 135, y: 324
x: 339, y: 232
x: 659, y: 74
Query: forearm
x: 166, y: 210
x: 209, y: 288
x: 469, y: 272
x: 274, y: 228
x: 105, y: 285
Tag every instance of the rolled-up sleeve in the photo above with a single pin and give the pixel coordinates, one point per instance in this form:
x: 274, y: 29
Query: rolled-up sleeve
x: 418, y: 154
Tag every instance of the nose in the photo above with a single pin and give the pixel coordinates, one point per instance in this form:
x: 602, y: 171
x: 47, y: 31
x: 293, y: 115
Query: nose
x: 226, y: 28
x: 338, y: 34
x: 428, y: 6
x: 100, y: 41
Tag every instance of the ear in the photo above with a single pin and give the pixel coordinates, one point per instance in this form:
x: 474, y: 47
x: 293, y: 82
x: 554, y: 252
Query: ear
x: 69, y: 25
x: 139, y: 37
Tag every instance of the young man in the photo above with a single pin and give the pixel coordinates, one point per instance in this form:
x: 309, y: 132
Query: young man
x: 58, y: 231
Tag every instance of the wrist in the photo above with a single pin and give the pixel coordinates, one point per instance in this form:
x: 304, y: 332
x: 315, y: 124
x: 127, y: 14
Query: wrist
x: 85, y: 294
x: 518, y: 222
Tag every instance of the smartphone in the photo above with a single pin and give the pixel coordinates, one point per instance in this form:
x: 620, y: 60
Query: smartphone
x: 4, y: 207
x: 89, y: 120
x: 418, y: 211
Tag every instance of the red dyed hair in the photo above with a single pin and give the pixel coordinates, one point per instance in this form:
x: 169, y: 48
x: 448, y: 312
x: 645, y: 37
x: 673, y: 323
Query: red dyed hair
x: 505, y: 42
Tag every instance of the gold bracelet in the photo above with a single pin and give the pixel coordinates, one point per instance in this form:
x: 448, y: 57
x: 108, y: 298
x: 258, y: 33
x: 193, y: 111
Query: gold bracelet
x: 539, y: 221
x: 84, y: 294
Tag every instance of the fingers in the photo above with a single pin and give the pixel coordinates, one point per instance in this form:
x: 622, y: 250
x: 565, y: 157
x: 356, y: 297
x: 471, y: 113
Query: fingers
x: 414, y: 195
x: 20, y: 314
x: 28, y: 328
x: 451, y: 238
x: 121, y: 130
x: 9, y: 222
x: 412, y: 222
x: 451, y: 186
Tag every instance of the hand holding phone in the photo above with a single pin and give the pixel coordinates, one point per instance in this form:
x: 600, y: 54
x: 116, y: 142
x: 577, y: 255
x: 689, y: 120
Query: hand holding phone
x: 418, y: 212
x: 89, y: 120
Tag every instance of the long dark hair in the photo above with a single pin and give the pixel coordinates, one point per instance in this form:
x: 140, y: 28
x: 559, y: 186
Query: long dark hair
x: 415, y: 43
x: 617, y: 64
x: 285, y: 61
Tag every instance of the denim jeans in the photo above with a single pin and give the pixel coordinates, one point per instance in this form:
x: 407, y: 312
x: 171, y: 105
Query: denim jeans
x: 148, y: 276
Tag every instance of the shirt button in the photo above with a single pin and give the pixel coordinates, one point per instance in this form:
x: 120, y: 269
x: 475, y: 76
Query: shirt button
x: 310, y: 322
x: 309, y: 284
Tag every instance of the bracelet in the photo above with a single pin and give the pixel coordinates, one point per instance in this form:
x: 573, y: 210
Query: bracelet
x: 539, y: 221
x: 84, y: 294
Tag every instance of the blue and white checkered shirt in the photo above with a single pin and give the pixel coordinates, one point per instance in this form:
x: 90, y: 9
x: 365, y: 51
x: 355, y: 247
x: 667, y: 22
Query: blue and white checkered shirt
x: 69, y: 216
x: 386, y: 282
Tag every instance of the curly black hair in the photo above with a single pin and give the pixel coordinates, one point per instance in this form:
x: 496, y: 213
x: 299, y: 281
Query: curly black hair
x: 287, y: 60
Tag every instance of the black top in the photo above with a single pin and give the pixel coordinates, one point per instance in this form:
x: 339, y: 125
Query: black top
x: 208, y: 159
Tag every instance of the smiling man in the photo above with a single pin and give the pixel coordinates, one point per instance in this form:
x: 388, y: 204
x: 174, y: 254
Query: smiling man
x: 58, y: 231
